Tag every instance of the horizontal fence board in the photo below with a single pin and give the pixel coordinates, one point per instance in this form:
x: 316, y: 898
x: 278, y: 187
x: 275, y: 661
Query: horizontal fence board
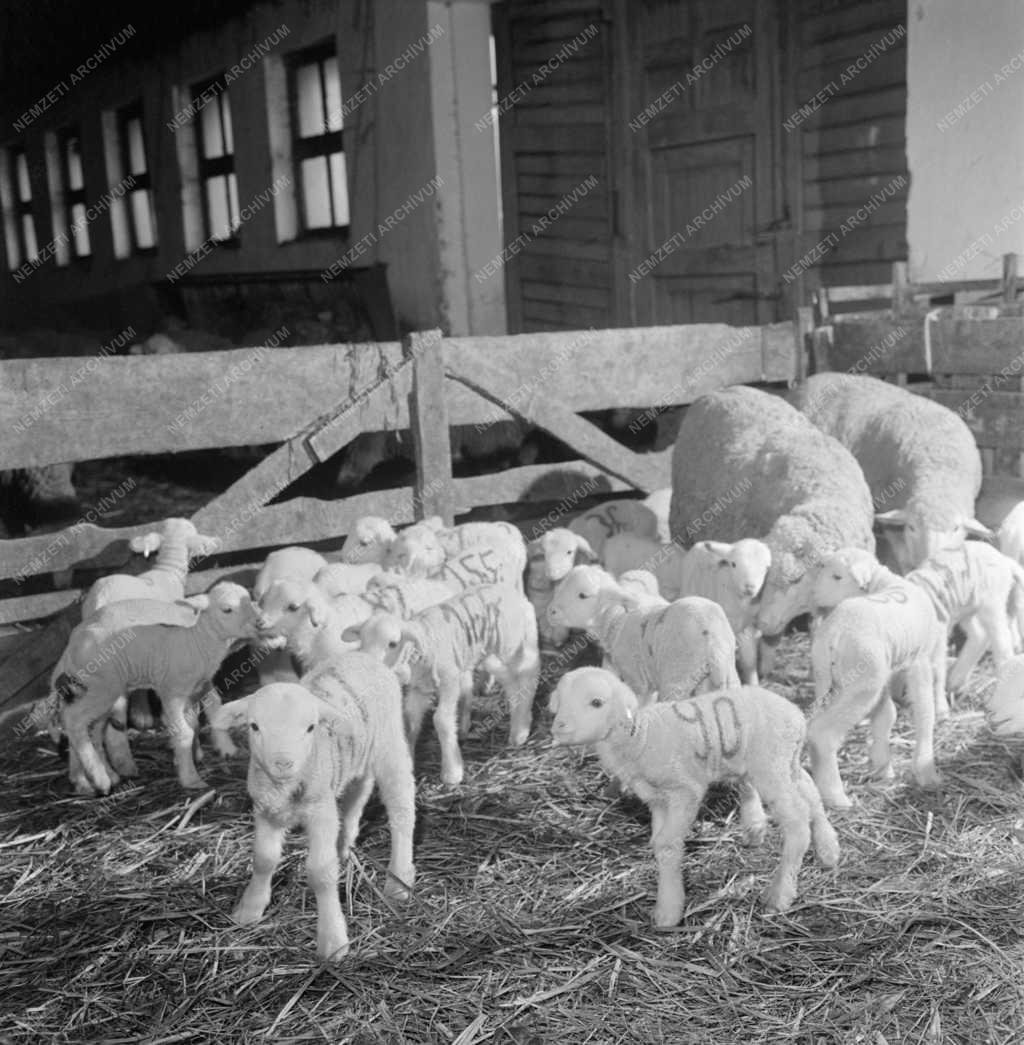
x: 979, y: 346
x: 877, y: 343
x: 995, y: 418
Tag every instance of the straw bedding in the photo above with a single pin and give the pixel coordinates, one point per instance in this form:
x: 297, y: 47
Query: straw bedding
x: 530, y: 920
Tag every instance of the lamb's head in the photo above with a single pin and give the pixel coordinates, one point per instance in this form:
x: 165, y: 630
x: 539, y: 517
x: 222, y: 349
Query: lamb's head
x: 283, y: 720
x: 843, y: 574
x: 369, y: 541
x: 556, y: 552
x: 796, y: 550
x: 416, y: 552
x: 588, y: 705
x: 747, y: 560
x: 232, y: 612
x: 639, y: 582
x: 575, y: 602
x: 290, y: 612
x: 176, y: 533
x: 925, y: 526
x: 390, y: 639
x: 1004, y: 706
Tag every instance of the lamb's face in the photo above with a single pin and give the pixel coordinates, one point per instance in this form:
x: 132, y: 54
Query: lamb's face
x: 922, y: 529
x: 748, y: 563
x: 587, y: 703
x: 415, y: 552
x: 287, y: 608
x: 1004, y: 707
x: 381, y: 637
x: 234, y: 614
x: 281, y: 720
x: 574, y: 604
x: 559, y: 548
x: 842, y: 575
x: 788, y: 592
x: 369, y: 540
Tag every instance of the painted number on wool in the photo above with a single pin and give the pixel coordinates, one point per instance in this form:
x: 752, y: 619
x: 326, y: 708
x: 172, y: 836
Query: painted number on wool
x: 478, y: 567
x: 718, y: 726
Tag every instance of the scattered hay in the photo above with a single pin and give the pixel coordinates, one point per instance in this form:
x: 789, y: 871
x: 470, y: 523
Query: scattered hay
x: 530, y: 921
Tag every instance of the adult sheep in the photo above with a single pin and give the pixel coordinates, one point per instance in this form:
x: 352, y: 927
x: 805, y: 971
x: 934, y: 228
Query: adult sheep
x: 747, y: 464
x: 919, y: 458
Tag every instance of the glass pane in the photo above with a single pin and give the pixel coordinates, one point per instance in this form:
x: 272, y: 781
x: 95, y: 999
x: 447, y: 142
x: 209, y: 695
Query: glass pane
x: 28, y: 231
x: 136, y: 150
x: 310, y: 100
x: 76, y: 180
x: 209, y: 121
x: 332, y: 87
x: 217, y: 207
x: 80, y: 231
x: 24, y: 185
x: 233, y: 201
x: 317, y: 202
x: 229, y: 134
x: 339, y: 185
x: 143, y: 220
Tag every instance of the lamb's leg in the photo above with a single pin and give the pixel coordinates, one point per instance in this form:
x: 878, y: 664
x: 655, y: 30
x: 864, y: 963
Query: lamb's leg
x: 999, y: 636
x: 417, y: 703
x: 939, y: 672
x: 465, y: 704
x: 351, y: 803
x: 180, y: 714
x: 222, y: 742
x: 267, y: 843
x: 823, y: 834
x: 444, y: 723
x: 921, y: 696
x: 970, y: 653
x: 791, y: 812
x: 398, y: 793
x: 119, y: 753
x: 322, y: 871
x: 89, y: 771
x: 882, y: 718
x: 752, y: 815
x: 520, y: 689
x: 668, y: 837
x: 746, y: 654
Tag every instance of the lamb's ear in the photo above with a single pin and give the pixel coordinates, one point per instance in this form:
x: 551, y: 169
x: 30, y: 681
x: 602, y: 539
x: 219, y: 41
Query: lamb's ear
x: 719, y: 549
x: 554, y: 699
x: 317, y: 608
x: 862, y: 571
x: 583, y: 548
x: 353, y: 633
x: 893, y: 517
x: 146, y: 545
x: 977, y: 529
x: 198, y: 602
x: 230, y: 715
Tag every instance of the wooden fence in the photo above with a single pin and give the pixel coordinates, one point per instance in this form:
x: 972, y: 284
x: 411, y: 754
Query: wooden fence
x: 314, y: 400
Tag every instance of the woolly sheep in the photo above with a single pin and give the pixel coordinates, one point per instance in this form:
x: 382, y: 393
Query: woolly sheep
x: 1004, y: 706
x: 619, y: 516
x: 890, y: 631
x: 919, y: 458
x: 548, y: 559
x: 971, y: 586
x: 668, y: 754
x: 369, y: 541
x: 676, y: 650
x: 493, y: 627
x: 643, y: 586
x: 626, y: 551
x: 345, y: 578
x: 313, y: 746
x: 746, y: 464
x: 104, y: 658
x: 293, y: 563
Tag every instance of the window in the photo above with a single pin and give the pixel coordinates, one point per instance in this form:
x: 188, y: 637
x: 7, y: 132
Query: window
x: 215, y: 148
x: 317, y: 140
x: 73, y: 179
x: 140, y: 194
x: 19, y: 223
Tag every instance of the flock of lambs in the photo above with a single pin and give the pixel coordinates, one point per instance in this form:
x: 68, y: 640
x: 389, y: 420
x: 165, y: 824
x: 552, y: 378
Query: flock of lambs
x: 770, y: 516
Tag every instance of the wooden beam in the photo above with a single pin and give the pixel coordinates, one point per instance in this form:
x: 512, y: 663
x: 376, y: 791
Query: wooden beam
x: 994, y: 417
x: 428, y: 423
x: 1009, y: 282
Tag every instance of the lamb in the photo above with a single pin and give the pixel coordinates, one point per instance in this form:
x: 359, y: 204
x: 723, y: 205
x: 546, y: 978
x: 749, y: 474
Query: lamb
x: 643, y: 586
x: 1010, y: 541
x: 668, y: 754
x: 369, y: 541
x: 660, y: 502
x: 105, y: 657
x: 344, y: 578
x: 596, y: 525
x: 626, y: 551
x: 746, y: 464
x: 330, y: 738
x: 917, y: 456
x: 676, y: 650
x: 892, y: 630
x: 292, y: 563
x: 434, y: 653
x: 549, y: 558
x: 1004, y: 706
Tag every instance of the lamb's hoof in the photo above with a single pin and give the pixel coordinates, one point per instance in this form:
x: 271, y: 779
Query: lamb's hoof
x: 929, y: 780
x: 140, y: 713
x: 332, y: 946
x: 778, y: 898
x: 453, y: 776
x: 666, y: 915
x: 883, y: 773
x: 753, y: 835
x: 839, y: 802
x: 193, y: 783
x: 828, y: 852
x: 519, y: 737
x: 398, y: 889
x: 83, y: 787
x: 246, y: 914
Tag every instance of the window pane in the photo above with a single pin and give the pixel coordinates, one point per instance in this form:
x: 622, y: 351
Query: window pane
x: 310, y: 100
x: 339, y: 186
x: 233, y: 201
x: 217, y: 207
x: 80, y: 231
x: 142, y: 219
x: 315, y: 197
x: 229, y: 134
x: 332, y: 86
x: 28, y: 231
x: 76, y: 180
x: 136, y: 150
x: 24, y: 185
x: 209, y: 122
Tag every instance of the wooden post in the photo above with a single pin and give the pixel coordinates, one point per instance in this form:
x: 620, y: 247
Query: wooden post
x: 433, y: 493
x: 804, y: 326
x: 900, y: 288
x: 1009, y: 283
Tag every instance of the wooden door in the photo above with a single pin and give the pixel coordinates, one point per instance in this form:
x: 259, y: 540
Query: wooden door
x: 705, y: 137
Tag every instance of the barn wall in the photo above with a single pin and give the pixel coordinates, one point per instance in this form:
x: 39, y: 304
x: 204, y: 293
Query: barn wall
x: 964, y: 138
x: 851, y: 122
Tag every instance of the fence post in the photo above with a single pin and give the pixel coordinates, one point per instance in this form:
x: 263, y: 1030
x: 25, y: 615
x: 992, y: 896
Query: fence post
x: 433, y: 493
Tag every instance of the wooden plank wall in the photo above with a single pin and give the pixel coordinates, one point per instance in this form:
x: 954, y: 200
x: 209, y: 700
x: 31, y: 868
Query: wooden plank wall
x: 553, y: 139
x: 855, y: 143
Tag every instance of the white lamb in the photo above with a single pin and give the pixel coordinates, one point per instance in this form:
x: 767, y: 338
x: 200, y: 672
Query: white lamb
x: 1010, y: 541
x: 626, y: 551
x: 660, y: 502
x: 643, y: 586
x: 293, y: 563
x: 108, y: 655
x: 619, y: 516
x: 493, y: 627
x: 668, y: 754
x: 1004, y: 706
x: 549, y: 558
x: 346, y: 578
x: 889, y: 632
x: 677, y: 650
x: 312, y: 745
x: 369, y: 541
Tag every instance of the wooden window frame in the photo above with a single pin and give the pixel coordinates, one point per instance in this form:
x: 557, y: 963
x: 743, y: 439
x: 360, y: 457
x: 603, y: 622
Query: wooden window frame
x: 214, y: 167
x: 72, y: 196
x: 141, y: 182
x: 21, y: 207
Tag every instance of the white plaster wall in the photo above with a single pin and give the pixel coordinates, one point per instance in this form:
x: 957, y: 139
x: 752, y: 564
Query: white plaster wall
x: 965, y: 136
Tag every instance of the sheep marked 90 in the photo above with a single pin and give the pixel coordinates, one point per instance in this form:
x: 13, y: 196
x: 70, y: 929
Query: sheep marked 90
x: 668, y: 754
x: 747, y: 464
